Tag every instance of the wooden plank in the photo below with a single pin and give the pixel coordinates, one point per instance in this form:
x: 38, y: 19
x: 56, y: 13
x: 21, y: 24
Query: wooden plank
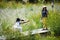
x: 37, y: 31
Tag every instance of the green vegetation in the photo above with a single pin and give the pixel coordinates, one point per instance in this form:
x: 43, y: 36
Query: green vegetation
x: 53, y: 22
x: 11, y: 10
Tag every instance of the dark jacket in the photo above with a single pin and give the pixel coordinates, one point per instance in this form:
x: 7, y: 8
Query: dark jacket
x: 44, y: 13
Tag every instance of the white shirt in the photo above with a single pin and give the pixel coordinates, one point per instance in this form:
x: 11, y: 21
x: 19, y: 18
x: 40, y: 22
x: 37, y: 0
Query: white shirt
x: 17, y: 26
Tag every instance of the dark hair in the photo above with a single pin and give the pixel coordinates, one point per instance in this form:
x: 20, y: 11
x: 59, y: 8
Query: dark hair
x: 44, y: 9
x: 17, y: 19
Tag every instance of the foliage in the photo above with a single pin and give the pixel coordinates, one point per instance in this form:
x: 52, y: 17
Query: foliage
x: 53, y: 22
x: 7, y: 19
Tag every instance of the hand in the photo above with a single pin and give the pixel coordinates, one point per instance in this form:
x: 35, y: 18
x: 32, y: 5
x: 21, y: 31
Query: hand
x: 28, y: 21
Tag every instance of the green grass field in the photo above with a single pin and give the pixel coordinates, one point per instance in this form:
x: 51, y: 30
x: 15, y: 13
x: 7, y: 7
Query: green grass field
x: 32, y: 12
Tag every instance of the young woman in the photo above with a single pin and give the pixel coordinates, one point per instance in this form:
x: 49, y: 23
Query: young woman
x: 44, y: 16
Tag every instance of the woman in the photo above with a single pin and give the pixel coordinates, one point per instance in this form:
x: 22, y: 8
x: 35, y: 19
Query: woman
x: 44, y: 16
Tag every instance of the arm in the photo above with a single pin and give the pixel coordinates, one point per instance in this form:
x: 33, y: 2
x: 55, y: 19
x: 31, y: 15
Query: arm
x: 24, y: 22
x: 47, y: 13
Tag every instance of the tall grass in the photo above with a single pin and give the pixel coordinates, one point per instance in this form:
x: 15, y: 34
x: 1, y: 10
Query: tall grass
x: 32, y: 13
x: 53, y: 22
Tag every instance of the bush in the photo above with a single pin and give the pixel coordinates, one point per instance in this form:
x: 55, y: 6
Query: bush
x: 53, y: 22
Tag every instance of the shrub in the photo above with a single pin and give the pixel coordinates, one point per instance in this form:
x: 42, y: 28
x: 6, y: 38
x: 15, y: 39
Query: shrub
x: 53, y: 22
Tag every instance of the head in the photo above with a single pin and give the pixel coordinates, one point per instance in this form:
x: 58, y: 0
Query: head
x: 44, y: 8
x: 17, y: 19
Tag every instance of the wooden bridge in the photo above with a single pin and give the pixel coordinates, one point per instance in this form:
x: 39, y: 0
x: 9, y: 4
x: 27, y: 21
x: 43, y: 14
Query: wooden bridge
x: 37, y: 31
